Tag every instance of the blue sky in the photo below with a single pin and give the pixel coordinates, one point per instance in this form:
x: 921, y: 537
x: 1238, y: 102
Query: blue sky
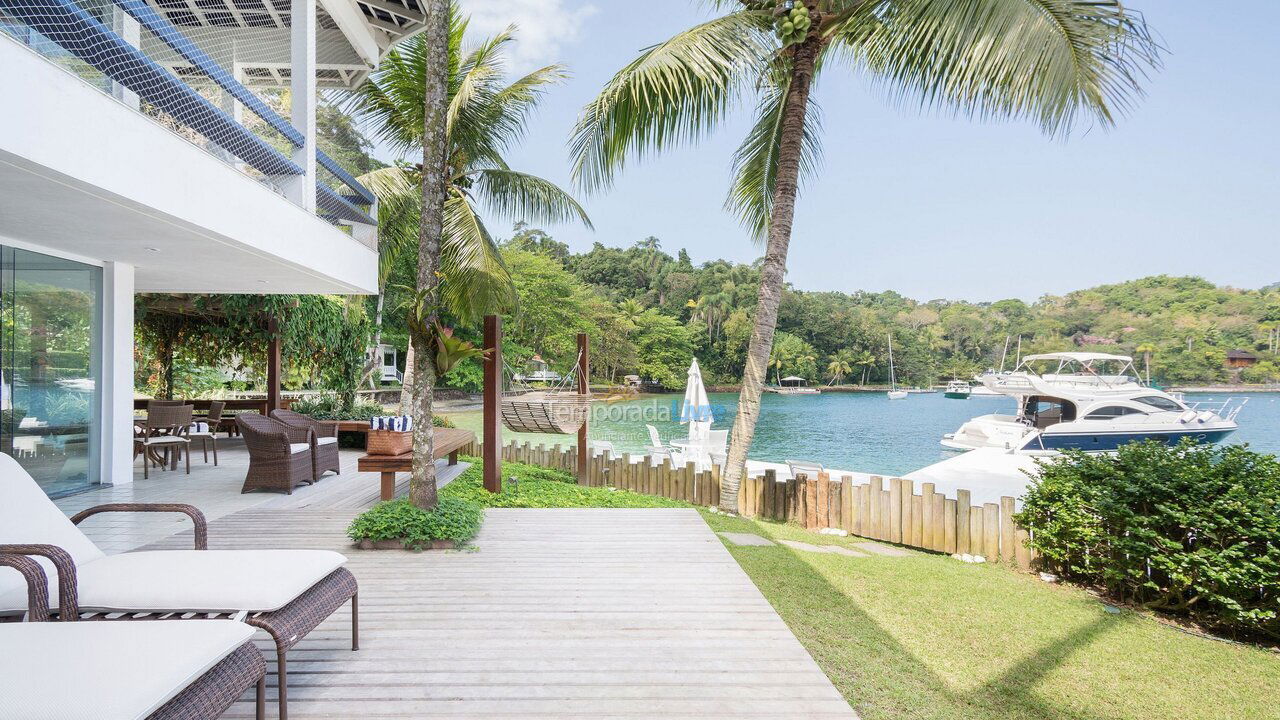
x: 935, y: 206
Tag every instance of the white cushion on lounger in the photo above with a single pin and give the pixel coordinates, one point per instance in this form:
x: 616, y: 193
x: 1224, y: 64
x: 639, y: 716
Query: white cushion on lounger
x: 295, y: 448
x: 107, y: 670
x: 192, y: 580
x: 28, y: 516
x: 326, y: 440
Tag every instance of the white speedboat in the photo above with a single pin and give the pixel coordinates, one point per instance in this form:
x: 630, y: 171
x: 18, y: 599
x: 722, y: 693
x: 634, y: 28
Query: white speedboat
x: 1087, y: 401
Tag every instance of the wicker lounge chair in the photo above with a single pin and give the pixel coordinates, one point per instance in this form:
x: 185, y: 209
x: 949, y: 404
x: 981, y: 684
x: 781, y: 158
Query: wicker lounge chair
x: 287, y: 593
x: 90, y: 670
x: 279, y: 454
x: 324, y: 440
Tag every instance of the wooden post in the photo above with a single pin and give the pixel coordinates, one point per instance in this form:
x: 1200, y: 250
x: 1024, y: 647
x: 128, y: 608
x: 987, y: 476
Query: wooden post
x: 949, y: 526
x: 1008, y: 536
x: 896, y: 505
x: 273, y: 365
x: 976, y: 533
x: 926, y: 490
x: 873, y: 504
x: 584, y: 371
x: 492, y: 420
x: 963, y: 504
x: 939, y: 528
x: 991, y: 531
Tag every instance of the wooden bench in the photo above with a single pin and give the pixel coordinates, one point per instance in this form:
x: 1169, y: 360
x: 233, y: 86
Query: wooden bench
x: 448, y: 441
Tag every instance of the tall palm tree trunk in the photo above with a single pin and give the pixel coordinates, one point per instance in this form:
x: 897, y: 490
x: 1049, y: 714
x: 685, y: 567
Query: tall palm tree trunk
x: 422, y: 482
x: 772, y: 271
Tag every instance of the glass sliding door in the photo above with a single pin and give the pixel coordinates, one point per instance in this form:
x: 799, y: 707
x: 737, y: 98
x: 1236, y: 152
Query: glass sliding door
x: 50, y: 367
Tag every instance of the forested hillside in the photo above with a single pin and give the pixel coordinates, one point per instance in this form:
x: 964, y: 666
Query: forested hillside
x: 648, y: 312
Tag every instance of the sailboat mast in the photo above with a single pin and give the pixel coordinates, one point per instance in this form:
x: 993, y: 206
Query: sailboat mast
x: 893, y: 380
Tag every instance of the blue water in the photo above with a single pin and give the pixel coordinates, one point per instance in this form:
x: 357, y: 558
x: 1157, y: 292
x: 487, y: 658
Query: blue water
x: 863, y: 432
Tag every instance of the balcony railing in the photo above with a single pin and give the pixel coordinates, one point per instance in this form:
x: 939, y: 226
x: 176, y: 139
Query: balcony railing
x: 130, y: 51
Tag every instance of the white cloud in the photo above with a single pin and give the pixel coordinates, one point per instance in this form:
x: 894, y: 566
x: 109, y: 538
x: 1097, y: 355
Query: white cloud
x: 545, y: 26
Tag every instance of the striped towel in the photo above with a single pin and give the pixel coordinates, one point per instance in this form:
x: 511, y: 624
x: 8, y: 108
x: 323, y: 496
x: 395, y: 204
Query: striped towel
x: 394, y: 423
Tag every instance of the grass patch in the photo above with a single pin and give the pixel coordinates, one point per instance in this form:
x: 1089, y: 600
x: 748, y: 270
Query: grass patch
x: 453, y: 519
x: 928, y: 637
x: 539, y: 487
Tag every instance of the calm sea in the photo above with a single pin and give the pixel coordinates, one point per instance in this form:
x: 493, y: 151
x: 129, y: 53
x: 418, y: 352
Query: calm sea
x: 863, y: 432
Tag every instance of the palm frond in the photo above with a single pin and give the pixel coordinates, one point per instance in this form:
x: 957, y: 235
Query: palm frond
x: 520, y: 196
x: 475, y: 281
x: 675, y: 92
x: 399, y: 210
x: 1052, y: 61
x: 755, y: 163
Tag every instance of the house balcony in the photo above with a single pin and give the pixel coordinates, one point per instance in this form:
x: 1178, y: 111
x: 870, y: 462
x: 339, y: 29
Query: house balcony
x: 155, y: 134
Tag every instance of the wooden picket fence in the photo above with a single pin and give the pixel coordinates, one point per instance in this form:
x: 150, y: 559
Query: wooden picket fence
x: 894, y: 510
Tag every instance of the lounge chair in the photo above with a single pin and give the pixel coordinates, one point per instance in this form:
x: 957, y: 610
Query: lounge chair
x: 657, y: 451
x: 811, y: 469
x: 284, y: 592
x: 324, y: 441
x: 279, y: 454
x: 98, y: 670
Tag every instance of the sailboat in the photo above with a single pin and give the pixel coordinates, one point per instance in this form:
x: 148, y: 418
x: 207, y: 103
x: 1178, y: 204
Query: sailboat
x: 894, y: 392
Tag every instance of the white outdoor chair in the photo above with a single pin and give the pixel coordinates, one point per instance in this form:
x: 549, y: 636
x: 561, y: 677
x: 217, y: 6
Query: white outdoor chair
x: 808, y: 468
x: 658, y: 452
x: 600, y: 447
x: 285, y: 592
x: 718, y: 446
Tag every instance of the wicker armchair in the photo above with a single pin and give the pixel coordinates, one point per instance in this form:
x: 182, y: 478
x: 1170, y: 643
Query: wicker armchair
x: 324, y: 440
x: 279, y: 454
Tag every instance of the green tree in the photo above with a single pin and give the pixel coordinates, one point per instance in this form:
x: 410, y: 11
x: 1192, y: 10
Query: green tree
x: 1051, y: 62
x: 840, y: 365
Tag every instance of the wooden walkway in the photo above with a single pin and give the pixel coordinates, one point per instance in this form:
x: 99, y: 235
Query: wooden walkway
x: 575, y: 613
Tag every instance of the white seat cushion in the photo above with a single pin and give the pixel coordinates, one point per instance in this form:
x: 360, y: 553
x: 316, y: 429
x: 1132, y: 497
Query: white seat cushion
x: 326, y: 440
x: 193, y: 580
x: 100, y: 670
x: 164, y: 440
x: 295, y: 448
x: 28, y: 516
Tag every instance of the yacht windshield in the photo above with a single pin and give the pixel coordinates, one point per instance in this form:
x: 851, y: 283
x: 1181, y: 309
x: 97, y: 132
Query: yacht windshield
x: 1160, y: 403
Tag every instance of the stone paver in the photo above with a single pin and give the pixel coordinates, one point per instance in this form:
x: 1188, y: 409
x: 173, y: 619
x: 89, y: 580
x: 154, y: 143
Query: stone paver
x: 745, y: 539
x: 830, y: 549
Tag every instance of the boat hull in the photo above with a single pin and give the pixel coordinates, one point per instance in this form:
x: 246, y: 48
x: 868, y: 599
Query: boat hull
x: 955, y: 395
x: 1105, y: 442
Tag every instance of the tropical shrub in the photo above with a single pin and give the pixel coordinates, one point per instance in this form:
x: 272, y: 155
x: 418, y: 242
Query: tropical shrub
x: 1192, y: 530
x: 452, y: 519
x: 333, y: 406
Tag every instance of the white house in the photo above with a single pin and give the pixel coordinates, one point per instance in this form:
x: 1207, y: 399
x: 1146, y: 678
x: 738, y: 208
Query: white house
x: 137, y: 154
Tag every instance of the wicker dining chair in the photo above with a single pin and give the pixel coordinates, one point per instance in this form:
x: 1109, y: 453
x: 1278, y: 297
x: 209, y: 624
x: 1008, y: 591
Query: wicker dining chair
x: 279, y: 454
x: 324, y: 440
x: 166, y: 429
x: 210, y: 433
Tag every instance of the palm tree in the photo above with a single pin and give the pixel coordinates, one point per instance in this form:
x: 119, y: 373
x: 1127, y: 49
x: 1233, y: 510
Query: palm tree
x: 458, y: 107
x: 1147, y: 349
x: 841, y: 364
x: 1051, y: 61
x: 866, y: 360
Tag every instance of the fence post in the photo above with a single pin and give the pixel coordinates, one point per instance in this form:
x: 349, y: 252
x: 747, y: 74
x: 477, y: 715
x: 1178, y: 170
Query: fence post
x: 926, y: 536
x: 991, y: 531
x: 1007, y: 534
x: 874, y: 490
x: 939, y: 515
x: 949, y: 525
x: 896, y: 506
x: 976, y: 533
x: 963, y: 503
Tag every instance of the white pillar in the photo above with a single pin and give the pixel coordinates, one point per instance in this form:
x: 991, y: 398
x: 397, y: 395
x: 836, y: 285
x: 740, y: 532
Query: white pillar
x: 302, y: 84
x: 116, y: 386
x: 128, y: 28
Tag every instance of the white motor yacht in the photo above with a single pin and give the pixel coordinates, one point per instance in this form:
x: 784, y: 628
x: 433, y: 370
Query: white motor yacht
x: 1087, y: 401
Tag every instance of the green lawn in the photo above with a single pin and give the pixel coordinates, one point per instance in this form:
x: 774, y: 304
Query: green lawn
x: 539, y: 487
x: 928, y: 637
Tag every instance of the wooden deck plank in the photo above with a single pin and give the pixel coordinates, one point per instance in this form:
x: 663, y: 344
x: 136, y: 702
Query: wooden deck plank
x: 553, y: 613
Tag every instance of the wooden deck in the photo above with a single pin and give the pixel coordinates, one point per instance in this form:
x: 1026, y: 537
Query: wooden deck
x: 575, y: 613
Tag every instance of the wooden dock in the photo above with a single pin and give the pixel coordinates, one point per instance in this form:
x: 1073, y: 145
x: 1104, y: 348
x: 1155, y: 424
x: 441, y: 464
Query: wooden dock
x: 555, y: 613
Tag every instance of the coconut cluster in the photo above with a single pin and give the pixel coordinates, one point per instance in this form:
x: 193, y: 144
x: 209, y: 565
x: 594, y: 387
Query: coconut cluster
x: 791, y: 25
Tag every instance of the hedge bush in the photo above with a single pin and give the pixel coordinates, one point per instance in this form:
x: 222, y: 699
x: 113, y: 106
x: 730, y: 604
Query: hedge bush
x: 1191, y: 529
x: 453, y: 519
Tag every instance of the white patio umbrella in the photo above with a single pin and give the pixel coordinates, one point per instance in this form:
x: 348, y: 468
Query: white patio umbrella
x: 696, y: 412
